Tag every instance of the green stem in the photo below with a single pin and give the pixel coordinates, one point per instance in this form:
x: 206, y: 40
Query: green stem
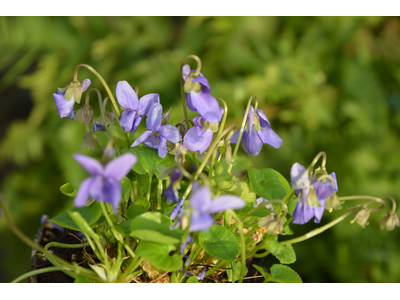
x: 241, y: 132
x: 216, y: 267
x: 317, y: 231
x: 242, y: 243
x: 39, y: 271
x: 132, y: 266
x: 149, y: 188
x: 159, y: 193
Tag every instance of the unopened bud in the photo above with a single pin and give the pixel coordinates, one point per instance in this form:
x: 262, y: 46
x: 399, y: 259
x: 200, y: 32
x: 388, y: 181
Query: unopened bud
x: 390, y: 221
x: 97, y: 126
x: 332, y: 202
x: 84, y: 114
x: 165, y: 117
x: 362, y: 217
x: 273, y: 224
x: 109, y: 116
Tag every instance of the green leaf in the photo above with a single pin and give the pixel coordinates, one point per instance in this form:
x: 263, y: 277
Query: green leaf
x: 92, y: 215
x: 126, y: 188
x: 138, y: 207
x: 142, y: 183
x: 153, y: 236
x: 234, y: 272
x: 268, y: 183
x: 159, y: 255
x: 81, y: 279
x: 68, y: 190
x: 284, y: 253
x: 280, y: 273
x: 154, y: 221
x: 149, y: 162
x: 219, y: 242
x: 237, y: 188
x: 285, y: 274
x: 192, y: 279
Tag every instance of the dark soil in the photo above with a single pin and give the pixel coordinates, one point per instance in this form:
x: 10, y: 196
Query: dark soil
x: 66, y: 236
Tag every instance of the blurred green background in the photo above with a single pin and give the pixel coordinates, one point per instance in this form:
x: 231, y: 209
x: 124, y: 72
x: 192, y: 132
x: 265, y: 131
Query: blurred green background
x: 325, y: 83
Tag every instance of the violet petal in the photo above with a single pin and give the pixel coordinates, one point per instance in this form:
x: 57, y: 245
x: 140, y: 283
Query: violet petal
x: 268, y: 136
x: 225, y: 202
x: 127, y: 120
x: 126, y: 96
x: 89, y: 164
x: 64, y: 107
x: 200, y: 221
x: 83, y: 192
x: 197, y: 139
x: 120, y: 166
x: 142, y: 137
x: 170, y: 133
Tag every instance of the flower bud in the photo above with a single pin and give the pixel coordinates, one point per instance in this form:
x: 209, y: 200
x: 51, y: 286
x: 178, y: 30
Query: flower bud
x: 362, y: 217
x: 390, y: 221
x: 75, y: 89
x: 109, y: 116
x: 273, y: 224
x: 72, y: 115
x: 332, y: 202
x: 84, y: 114
x: 165, y: 117
x: 97, y: 126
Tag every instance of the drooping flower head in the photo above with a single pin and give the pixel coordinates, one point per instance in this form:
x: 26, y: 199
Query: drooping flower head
x: 157, y: 135
x: 256, y: 133
x: 203, y: 206
x: 197, y: 138
x: 65, y: 98
x: 312, y: 195
x: 198, y: 97
x: 134, y: 109
x: 104, y: 185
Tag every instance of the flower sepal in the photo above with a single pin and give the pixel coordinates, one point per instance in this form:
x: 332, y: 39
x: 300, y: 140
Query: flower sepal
x: 390, y: 221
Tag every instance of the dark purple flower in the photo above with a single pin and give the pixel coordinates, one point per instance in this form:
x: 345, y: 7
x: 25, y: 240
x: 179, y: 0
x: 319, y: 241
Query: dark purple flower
x: 256, y: 133
x: 197, y: 138
x: 157, y: 135
x: 104, y: 185
x: 171, y: 192
x: 203, y: 206
x: 65, y: 98
x: 98, y: 126
x: 134, y: 109
x: 312, y: 195
x: 198, y: 97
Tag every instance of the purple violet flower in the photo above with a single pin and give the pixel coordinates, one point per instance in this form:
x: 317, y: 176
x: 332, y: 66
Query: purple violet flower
x: 65, y: 98
x: 198, y: 97
x: 157, y: 135
x: 197, y: 138
x: 135, y: 109
x: 177, y: 211
x: 203, y: 206
x: 257, y: 132
x: 104, y: 185
x: 312, y: 195
x: 200, y: 276
x: 171, y: 192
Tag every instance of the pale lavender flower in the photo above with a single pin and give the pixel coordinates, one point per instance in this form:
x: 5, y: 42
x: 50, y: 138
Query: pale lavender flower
x: 189, y: 239
x: 134, y: 109
x: 104, y: 185
x: 157, y: 135
x: 197, y: 138
x: 198, y: 97
x: 312, y: 195
x: 65, y: 98
x: 203, y: 206
x: 256, y: 133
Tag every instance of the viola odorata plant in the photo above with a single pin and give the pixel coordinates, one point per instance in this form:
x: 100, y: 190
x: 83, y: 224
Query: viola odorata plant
x: 167, y: 202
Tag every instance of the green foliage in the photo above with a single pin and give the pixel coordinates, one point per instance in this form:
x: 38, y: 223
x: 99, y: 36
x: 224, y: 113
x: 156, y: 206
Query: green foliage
x: 149, y: 162
x: 268, y: 183
x: 68, y: 190
x: 284, y: 253
x: 92, y: 214
x: 138, y: 207
x: 219, y: 242
x: 159, y: 255
x: 281, y: 274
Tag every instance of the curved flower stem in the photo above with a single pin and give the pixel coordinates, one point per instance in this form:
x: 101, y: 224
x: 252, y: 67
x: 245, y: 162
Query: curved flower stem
x: 317, y: 231
x: 393, y: 210
x: 315, y: 160
x: 39, y: 271
x: 241, y: 131
x: 374, y: 199
x: 243, y: 245
x: 183, y: 96
x: 107, y: 88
